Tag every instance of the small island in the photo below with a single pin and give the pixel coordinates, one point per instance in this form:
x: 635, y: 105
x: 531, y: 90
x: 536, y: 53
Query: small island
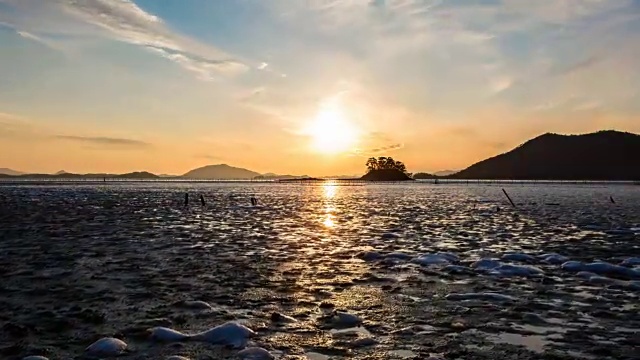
x: 386, y: 169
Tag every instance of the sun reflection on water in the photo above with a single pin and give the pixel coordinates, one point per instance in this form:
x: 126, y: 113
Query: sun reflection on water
x: 328, y: 221
x: 329, y: 189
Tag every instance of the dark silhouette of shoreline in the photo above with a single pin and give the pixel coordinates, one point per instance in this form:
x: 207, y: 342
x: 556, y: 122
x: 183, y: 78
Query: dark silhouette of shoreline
x: 604, y: 155
x: 600, y: 156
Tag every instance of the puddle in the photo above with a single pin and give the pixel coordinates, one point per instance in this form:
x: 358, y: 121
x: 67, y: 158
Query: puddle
x: 403, y: 354
x: 542, y: 329
x: 580, y: 355
x: 316, y: 356
x: 534, y: 343
x: 455, y: 282
x: 625, y: 330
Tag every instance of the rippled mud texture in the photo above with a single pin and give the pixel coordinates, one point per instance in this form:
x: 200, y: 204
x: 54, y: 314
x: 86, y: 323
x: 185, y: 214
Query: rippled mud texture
x: 320, y: 272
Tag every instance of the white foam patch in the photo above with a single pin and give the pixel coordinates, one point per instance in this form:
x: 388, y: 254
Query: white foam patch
x: 553, y: 258
x: 507, y: 270
x: 573, y: 266
x: 486, y: 264
x: 632, y: 261
x: 432, y: 259
x: 106, y: 347
x: 518, y: 257
x: 163, y: 334
x: 230, y: 333
x: 602, y: 268
x: 353, y: 330
x: 198, y: 305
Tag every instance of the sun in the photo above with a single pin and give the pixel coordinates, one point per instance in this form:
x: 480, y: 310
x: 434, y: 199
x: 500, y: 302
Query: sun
x: 331, y: 132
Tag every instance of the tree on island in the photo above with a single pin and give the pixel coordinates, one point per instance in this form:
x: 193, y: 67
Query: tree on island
x: 385, y: 163
x: 386, y: 169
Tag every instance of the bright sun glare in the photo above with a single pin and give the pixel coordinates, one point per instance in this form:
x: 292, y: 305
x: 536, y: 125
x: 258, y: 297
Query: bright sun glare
x: 331, y: 131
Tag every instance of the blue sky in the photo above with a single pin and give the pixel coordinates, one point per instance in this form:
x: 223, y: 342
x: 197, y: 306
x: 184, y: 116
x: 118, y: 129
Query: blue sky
x: 165, y: 86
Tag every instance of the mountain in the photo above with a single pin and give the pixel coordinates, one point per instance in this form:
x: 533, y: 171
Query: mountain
x: 604, y: 155
x: 6, y: 171
x: 138, y: 175
x: 445, y: 172
x: 341, y: 177
x: 272, y: 176
x: 220, y: 172
x: 66, y: 175
x: 422, y: 176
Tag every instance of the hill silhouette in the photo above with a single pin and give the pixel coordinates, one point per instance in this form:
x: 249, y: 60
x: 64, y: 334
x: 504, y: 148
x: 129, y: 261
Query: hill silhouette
x: 423, y: 175
x: 138, y: 175
x: 272, y: 176
x: 210, y: 172
x: 220, y: 172
x: 385, y: 175
x: 445, y: 172
x: 66, y: 175
x: 10, y: 172
x: 604, y: 155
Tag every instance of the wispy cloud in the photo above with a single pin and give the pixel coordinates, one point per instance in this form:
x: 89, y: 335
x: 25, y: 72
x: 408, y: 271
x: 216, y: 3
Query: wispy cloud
x: 207, y: 157
x: 121, y: 20
x: 379, y: 150
x: 575, y: 67
x: 106, y: 141
x: 12, y: 125
x: 28, y: 35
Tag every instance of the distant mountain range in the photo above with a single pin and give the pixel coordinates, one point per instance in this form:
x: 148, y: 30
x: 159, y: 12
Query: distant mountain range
x: 10, y: 172
x: 220, y: 172
x: 604, y: 155
x: 209, y: 172
x: 445, y: 172
x: 66, y: 175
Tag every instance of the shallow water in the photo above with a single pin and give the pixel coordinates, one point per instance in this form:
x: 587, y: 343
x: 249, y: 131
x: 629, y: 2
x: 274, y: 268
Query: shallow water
x: 82, y: 262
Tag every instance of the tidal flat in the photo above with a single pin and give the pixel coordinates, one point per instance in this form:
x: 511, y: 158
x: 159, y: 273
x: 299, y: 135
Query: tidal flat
x: 403, y: 271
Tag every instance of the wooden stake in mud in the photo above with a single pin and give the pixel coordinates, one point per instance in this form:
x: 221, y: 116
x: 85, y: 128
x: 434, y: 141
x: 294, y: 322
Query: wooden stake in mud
x: 612, y: 201
x: 186, y: 199
x: 202, y: 200
x: 508, y: 197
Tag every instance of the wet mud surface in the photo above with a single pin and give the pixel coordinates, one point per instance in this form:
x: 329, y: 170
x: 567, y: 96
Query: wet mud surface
x: 323, y: 272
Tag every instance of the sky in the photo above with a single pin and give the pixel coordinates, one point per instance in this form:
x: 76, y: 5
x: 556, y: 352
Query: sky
x: 309, y: 87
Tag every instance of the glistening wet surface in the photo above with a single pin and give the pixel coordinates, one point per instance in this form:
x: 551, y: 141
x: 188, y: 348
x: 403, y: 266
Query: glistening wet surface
x: 322, y: 272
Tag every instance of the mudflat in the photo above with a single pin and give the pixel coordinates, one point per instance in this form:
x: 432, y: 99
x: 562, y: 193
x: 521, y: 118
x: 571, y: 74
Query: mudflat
x: 410, y: 271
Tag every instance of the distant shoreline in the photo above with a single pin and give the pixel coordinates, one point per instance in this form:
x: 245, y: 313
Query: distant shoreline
x: 440, y: 181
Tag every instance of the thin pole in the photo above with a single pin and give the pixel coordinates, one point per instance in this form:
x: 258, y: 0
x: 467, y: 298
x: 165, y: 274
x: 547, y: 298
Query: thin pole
x: 508, y: 197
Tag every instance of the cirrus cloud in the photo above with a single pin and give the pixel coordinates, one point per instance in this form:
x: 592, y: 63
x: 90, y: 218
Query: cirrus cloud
x: 118, y: 20
x: 105, y: 141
